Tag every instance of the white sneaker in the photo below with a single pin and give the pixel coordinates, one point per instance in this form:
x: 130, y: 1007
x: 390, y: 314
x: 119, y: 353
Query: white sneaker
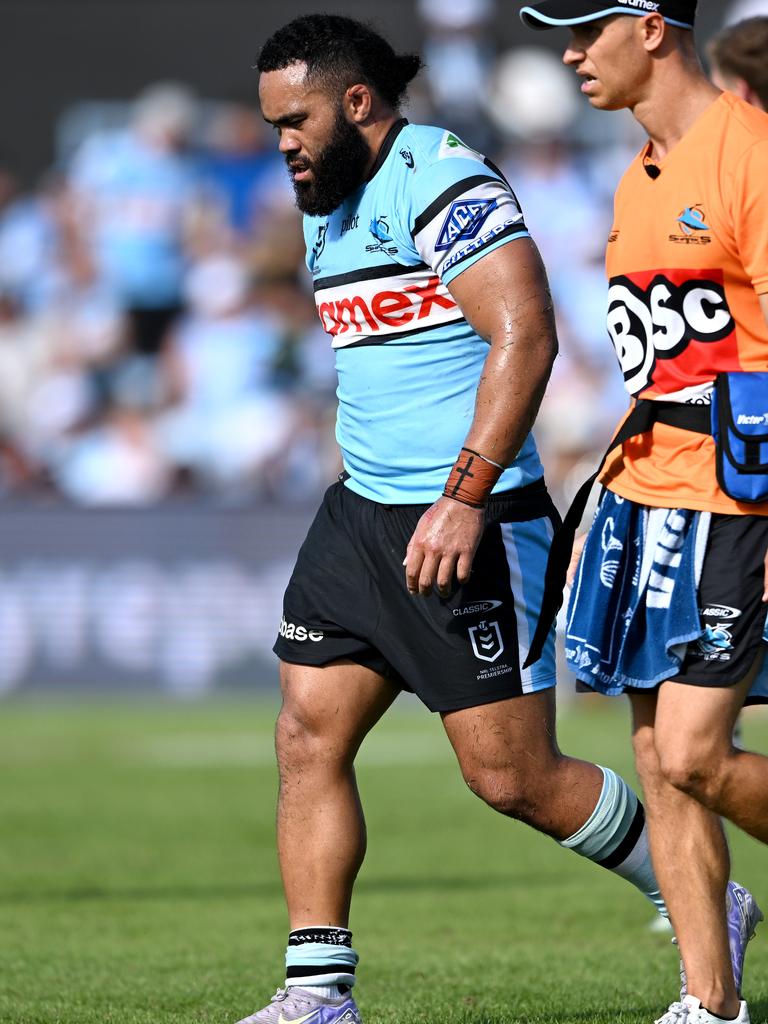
x: 690, y: 1011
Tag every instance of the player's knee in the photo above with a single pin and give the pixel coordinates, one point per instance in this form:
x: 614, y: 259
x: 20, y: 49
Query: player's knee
x: 509, y: 793
x: 692, y: 771
x: 301, y: 742
x: 292, y: 737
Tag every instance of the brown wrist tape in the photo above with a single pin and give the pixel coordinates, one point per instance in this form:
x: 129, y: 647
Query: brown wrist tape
x: 472, y: 479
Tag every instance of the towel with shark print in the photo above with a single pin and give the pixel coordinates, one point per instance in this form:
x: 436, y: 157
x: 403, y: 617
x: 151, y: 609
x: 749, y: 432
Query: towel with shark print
x: 638, y: 577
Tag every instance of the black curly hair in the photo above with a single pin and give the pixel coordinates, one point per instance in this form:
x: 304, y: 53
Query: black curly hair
x: 340, y: 52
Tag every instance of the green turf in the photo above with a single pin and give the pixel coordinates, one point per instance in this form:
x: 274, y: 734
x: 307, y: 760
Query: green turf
x: 138, y: 880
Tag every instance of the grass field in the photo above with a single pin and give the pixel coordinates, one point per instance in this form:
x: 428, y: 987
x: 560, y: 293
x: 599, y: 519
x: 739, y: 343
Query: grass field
x: 138, y: 880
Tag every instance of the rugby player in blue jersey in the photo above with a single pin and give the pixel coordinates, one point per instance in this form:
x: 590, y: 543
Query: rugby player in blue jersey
x: 423, y: 569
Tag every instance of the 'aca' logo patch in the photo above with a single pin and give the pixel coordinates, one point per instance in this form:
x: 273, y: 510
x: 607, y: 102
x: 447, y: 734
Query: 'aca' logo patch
x: 464, y: 220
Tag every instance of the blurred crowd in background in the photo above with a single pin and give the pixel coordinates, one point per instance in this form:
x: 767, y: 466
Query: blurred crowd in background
x: 158, y: 337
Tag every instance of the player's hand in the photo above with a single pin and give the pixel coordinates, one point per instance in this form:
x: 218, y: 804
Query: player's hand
x: 443, y: 544
x: 578, y: 547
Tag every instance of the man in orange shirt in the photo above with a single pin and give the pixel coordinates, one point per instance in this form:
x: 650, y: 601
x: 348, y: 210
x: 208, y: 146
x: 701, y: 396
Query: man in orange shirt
x: 669, y: 600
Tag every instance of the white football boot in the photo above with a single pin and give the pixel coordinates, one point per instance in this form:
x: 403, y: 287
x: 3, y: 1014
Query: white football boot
x: 690, y: 1011
x: 303, y: 1006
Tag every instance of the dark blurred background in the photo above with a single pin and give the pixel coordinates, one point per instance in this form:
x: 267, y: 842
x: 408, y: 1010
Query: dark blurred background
x: 166, y: 393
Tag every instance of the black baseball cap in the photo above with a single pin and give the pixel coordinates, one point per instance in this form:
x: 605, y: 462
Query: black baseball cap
x: 553, y: 13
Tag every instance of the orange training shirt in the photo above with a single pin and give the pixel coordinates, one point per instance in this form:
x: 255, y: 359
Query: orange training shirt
x: 687, y: 259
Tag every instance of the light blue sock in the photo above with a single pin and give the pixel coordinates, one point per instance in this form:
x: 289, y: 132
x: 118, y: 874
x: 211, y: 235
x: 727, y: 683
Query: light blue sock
x: 320, y: 958
x: 616, y: 837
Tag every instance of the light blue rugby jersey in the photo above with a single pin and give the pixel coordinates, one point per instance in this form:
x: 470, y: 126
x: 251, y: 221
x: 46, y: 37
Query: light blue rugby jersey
x: 409, y: 364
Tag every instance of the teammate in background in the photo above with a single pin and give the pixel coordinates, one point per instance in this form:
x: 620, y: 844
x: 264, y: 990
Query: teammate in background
x: 739, y: 59
x: 669, y: 601
x: 423, y: 567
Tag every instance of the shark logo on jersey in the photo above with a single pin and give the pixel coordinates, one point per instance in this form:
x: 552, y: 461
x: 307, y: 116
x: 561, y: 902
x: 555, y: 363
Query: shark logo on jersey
x: 695, y: 227
x: 693, y: 219
x: 379, y: 228
x: 463, y: 222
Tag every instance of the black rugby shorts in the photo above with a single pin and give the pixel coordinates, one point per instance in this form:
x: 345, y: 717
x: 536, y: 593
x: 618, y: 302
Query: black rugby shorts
x: 347, y: 599
x: 730, y: 603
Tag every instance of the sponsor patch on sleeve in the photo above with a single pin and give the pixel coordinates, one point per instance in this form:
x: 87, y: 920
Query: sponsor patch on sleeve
x: 466, y: 222
x: 452, y: 145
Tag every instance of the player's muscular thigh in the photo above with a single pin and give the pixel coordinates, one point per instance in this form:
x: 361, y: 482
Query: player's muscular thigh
x: 327, y: 712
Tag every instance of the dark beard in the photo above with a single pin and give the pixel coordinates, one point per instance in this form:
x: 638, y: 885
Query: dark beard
x: 337, y: 171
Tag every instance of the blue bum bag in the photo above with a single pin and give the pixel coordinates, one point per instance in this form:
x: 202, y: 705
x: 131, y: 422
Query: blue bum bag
x: 740, y: 430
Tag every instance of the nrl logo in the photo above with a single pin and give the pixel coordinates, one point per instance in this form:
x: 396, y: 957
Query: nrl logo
x: 317, y: 248
x: 486, y: 641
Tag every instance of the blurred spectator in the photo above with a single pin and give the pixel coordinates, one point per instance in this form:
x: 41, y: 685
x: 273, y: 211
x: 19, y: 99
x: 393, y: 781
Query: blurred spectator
x: 739, y: 59
x: 532, y: 96
x: 137, y: 189
x: 307, y: 368
x: 740, y: 10
x: 115, y: 463
x: 570, y: 220
x: 158, y: 333
x: 227, y: 421
x: 27, y: 238
x: 572, y: 231
x: 22, y: 361
x: 458, y: 53
x: 243, y: 169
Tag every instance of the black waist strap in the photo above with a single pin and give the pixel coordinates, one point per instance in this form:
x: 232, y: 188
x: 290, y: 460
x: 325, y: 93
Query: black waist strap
x: 696, y: 418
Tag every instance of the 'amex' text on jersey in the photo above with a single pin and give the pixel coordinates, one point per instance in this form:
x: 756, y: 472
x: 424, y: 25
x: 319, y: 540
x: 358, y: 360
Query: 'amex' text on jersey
x: 372, y: 311
x: 654, y: 318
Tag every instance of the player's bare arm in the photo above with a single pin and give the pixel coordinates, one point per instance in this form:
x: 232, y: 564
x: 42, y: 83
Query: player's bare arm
x: 505, y: 297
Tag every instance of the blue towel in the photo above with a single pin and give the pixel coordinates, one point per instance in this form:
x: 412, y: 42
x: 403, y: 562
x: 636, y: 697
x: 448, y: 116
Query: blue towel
x: 633, y: 608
